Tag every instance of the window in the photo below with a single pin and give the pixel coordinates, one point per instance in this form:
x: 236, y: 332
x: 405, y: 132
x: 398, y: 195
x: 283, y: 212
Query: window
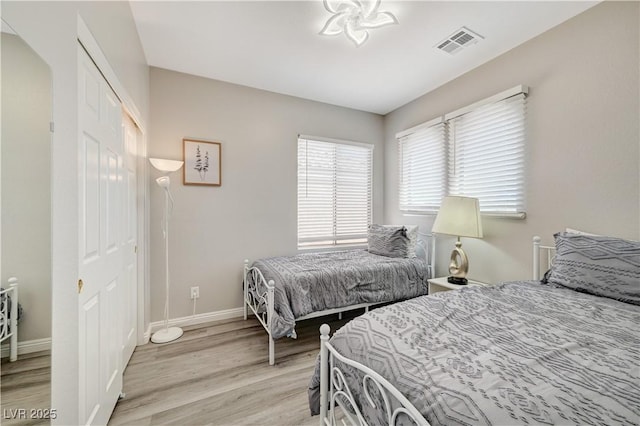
x: 423, y: 172
x: 477, y: 151
x: 334, y: 192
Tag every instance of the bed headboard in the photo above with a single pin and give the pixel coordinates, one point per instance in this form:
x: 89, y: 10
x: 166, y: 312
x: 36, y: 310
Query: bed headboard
x: 427, y: 250
x: 542, y: 257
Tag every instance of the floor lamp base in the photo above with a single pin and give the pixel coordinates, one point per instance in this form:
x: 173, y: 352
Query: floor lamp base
x: 166, y: 335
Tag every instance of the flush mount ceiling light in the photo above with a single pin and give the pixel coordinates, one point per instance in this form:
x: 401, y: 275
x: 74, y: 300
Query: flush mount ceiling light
x: 355, y: 18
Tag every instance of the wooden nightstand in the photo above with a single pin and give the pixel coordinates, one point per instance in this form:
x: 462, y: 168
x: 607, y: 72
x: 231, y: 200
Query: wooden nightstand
x: 441, y: 284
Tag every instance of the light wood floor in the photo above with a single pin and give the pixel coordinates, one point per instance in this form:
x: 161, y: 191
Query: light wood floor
x: 25, y: 384
x: 219, y: 375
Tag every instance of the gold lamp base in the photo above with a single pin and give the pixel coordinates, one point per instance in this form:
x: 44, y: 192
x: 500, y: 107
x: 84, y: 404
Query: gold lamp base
x: 458, y: 265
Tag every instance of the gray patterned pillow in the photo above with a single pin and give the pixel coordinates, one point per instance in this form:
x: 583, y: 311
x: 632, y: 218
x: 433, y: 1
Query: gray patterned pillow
x: 412, y: 234
x: 390, y: 241
x: 603, y: 266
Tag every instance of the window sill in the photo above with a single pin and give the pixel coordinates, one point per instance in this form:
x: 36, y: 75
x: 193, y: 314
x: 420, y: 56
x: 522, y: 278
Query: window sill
x: 483, y: 214
x: 331, y: 248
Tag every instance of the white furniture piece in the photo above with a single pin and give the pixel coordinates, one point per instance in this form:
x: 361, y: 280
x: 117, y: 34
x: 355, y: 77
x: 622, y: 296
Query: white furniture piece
x: 442, y: 284
x: 259, y: 295
x: 333, y: 385
x: 166, y: 334
x: 548, y: 252
x: 371, y: 380
x: 9, y: 317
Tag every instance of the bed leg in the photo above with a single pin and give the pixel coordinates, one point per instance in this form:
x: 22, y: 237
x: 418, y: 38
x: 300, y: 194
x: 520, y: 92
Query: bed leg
x: 272, y: 350
x: 339, y: 315
x: 366, y: 309
x: 244, y: 287
x: 324, y: 373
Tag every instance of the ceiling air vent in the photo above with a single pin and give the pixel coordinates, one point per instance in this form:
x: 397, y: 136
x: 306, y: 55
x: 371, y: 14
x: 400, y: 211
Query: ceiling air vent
x: 464, y: 37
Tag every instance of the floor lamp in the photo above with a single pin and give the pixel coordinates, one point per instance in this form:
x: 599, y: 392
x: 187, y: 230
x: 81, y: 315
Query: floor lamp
x: 166, y: 334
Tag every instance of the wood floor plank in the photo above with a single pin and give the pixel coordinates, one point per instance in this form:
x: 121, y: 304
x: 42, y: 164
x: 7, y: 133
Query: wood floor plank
x: 215, y: 374
x: 218, y: 374
x: 25, y: 385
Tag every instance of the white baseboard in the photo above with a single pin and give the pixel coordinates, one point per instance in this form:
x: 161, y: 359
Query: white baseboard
x: 197, y: 319
x: 27, y: 347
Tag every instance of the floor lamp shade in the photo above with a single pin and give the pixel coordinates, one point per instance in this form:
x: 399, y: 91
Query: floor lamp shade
x: 459, y: 216
x: 166, y: 334
x: 166, y: 165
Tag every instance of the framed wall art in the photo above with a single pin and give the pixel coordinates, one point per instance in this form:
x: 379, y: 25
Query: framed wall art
x: 202, y: 162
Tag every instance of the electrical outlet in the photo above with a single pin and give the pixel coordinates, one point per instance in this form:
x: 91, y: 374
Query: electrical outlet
x: 195, y: 292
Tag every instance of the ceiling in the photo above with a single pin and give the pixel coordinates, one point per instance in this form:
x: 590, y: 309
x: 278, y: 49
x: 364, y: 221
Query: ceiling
x: 275, y: 45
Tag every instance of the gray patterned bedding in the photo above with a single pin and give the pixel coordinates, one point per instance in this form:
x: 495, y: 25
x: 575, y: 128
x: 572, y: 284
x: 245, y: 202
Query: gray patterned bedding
x: 516, y: 353
x: 313, y: 282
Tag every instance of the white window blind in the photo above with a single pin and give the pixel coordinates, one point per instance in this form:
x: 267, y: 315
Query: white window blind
x: 334, y: 192
x: 477, y: 151
x: 422, y: 156
x: 486, y: 156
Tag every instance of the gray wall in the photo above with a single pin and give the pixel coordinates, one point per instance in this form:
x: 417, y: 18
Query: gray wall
x: 583, y: 137
x: 26, y: 183
x: 582, y: 166
x: 253, y: 213
x: 50, y: 28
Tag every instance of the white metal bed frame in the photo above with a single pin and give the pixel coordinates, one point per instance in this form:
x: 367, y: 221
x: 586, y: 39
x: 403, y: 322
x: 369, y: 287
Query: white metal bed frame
x: 549, y: 251
x: 260, y: 293
x: 334, y: 390
x: 9, y: 318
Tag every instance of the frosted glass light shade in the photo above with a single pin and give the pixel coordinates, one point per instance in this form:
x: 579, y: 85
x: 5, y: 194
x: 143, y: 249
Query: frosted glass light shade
x: 166, y: 165
x: 459, y: 216
x: 355, y: 19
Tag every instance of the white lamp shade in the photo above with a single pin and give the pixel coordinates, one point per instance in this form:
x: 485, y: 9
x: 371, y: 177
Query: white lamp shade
x: 459, y: 216
x: 166, y: 165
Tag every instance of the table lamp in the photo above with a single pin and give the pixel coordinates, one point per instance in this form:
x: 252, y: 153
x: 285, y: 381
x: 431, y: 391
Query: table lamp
x: 459, y: 216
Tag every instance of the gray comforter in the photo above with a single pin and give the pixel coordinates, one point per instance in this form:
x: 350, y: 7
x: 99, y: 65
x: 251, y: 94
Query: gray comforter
x: 517, y: 353
x: 313, y: 282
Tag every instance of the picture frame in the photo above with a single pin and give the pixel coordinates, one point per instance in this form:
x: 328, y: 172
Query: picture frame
x: 202, y: 162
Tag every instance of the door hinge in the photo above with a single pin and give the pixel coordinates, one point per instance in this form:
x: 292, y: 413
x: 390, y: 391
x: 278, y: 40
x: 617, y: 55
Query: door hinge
x: 135, y: 249
x: 51, y: 127
x: 80, y: 284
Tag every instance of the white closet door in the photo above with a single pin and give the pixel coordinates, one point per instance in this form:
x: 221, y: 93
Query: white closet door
x: 102, y: 231
x: 130, y: 249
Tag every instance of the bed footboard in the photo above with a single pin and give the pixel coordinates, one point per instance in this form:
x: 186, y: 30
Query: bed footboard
x: 259, y: 297
x: 334, y: 388
x: 9, y: 317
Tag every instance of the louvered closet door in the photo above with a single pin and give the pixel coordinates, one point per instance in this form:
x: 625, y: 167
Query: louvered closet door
x: 102, y: 233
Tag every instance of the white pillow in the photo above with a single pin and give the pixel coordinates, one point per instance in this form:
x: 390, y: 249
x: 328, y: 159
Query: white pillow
x: 575, y: 231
